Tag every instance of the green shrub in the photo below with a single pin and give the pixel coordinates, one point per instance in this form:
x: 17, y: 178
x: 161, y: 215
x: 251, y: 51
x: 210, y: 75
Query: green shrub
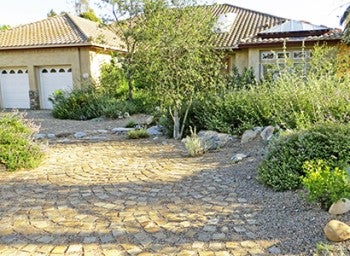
x: 324, y: 184
x: 281, y: 167
x: 81, y: 103
x: 131, y: 124
x: 17, y: 148
x: 194, y: 144
x: 138, y: 134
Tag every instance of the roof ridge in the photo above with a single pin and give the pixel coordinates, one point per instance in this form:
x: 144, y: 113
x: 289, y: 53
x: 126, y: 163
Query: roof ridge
x: 255, y: 11
x: 76, y: 26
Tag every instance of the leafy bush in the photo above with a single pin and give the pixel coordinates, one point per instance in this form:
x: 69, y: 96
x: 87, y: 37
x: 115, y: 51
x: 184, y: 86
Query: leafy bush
x: 325, y: 185
x: 194, y: 144
x: 281, y: 167
x: 292, y: 100
x: 138, y: 134
x: 80, y: 103
x: 17, y: 148
x: 131, y: 124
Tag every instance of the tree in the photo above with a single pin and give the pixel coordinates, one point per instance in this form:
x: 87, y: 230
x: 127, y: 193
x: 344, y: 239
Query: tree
x: 177, y: 57
x: 4, y: 27
x: 129, y: 20
x: 90, y: 15
x: 345, y: 19
x: 51, y: 13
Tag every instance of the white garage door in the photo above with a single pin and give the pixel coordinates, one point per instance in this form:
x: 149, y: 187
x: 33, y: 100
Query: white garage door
x: 14, y: 86
x: 52, y: 79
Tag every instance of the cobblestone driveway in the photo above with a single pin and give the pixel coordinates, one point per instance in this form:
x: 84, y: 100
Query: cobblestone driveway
x: 125, y: 198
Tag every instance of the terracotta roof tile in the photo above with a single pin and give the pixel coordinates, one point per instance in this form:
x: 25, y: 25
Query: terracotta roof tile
x: 58, y: 31
x: 247, y: 23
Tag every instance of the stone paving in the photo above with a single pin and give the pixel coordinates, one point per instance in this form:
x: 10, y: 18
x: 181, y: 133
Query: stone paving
x: 126, y: 198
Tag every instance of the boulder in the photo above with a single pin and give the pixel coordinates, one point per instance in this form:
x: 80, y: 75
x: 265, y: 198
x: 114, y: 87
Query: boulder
x: 213, y: 140
x: 340, y: 207
x: 51, y: 136
x: 337, y: 231
x: 156, y: 130
x: 267, y: 133
x: 238, y: 157
x: 249, y: 135
x: 40, y: 136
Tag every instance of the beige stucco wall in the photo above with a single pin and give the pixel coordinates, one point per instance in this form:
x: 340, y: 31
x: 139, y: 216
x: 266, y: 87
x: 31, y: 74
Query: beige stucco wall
x: 84, y: 61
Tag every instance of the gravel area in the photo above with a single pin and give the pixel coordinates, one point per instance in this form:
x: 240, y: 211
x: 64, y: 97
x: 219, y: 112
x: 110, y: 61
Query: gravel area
x: 284, y: 218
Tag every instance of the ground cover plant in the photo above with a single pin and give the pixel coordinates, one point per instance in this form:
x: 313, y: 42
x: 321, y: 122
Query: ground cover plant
x: 18, y: 150
x: 282, y: 166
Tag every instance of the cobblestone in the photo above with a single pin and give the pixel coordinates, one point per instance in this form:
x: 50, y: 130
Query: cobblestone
x: 127, y: 198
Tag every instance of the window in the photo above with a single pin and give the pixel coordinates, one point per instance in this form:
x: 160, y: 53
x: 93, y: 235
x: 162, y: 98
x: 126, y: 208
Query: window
x: 224, y: 22
x: 44, y: 71
x: 273, y: 62
x: 4, y: 72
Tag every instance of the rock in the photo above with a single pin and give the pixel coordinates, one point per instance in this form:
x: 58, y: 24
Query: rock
x: 121, y: 129
x: 213, y: 140
x: 149, y: 120
x: 267, y: 133
x: 40, y: 136
x: 337, y: 231
x: 238, y: 157
x: 340, y: 207
x: 249, y: 135
x: 274, y: 250
x: 155, y: 130
x: 102, y: 131
x: 79, y: 135
x: 126, y: 115
x: 98, y: 119
x: 51, y: 136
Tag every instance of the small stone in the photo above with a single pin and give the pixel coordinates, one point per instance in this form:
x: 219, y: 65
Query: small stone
x: 102, y: 131
x: 340, y: 207
x: 238, y: 157
x: 79, y: 135
x: 126, y: 115
x: 337, y: 231
x: 149, y: 120
x: 51, y: 136
x: 40, y: 136
x: 274, y: 250
x: 267, y: 133
x: 122, y: 130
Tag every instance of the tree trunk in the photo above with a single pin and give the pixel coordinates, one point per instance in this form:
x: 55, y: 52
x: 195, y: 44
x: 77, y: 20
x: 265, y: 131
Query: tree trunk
x: 177, y: 135
x: 130, y: 93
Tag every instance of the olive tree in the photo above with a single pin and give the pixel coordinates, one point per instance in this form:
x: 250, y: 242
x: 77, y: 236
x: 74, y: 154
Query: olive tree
x: 177, y: 59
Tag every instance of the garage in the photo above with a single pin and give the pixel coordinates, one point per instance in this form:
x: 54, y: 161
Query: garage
x: 14, y: 87
x: 52, y: 79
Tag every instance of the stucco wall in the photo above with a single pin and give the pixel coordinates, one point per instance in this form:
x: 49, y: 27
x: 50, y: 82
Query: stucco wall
x: 84, y: 61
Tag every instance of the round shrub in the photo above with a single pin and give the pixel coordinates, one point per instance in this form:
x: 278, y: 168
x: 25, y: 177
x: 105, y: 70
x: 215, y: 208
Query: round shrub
x: 18, y: 150
x: 281, y: 167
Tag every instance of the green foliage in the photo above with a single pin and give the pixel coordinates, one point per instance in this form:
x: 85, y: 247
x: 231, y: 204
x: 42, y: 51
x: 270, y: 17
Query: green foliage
x: 131, y: 124
x: 282, y: 165
x: 89, y: 14
x: 80, y: 104
x: 112, y: 79
x: 138, y: 134
x: 291, y: 101
x: 4, y: 27
x: 194, y: 144
x: 324, y: 184
x: 17, y: 148
x: 176, y: 57
x: 243, y: 80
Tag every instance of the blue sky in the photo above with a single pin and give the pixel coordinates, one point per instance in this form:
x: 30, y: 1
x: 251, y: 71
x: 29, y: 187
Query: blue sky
x: 319, y: 12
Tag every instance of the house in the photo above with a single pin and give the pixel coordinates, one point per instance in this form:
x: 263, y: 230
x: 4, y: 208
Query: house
x: 59, y: 52
x: 56, y: 53
x: 257, y: 40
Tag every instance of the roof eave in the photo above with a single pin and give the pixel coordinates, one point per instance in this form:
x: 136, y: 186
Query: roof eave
x: 27, y: 47
x: 290, y: 43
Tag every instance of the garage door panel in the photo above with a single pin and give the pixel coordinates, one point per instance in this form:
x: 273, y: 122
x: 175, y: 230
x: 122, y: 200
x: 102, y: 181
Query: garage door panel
x: 52, y: 79
x: 14, y: 85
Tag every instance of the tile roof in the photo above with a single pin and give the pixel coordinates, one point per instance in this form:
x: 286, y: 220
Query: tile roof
x: 247, y: 23
x: 329, y: 35
x: 57, y: 31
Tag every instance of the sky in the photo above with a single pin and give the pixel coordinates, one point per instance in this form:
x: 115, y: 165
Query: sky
x: 318, y: 12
